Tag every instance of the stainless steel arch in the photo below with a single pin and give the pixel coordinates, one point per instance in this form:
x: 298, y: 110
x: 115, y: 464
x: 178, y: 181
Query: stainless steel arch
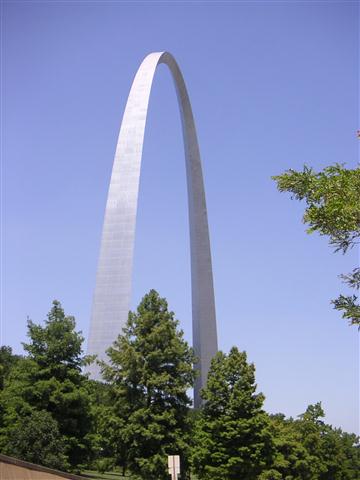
x: 113, y: 282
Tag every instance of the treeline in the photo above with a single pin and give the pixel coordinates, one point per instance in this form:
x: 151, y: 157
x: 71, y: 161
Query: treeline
x: 52, y: 414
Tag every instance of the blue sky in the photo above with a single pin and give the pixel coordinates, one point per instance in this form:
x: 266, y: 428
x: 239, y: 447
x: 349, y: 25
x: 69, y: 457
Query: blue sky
x: 273, y: 86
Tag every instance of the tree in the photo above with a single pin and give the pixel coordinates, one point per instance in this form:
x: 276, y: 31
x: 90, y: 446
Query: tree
x: 150, y: 371
x: 232, y: 438
x: 7, y: 362
x: 291, y: 461
x: 333, y: 209
x: 105, y: 445
x: 329, y: 452
x: 50, y: 379
x: 347, y: 303
x: 308, y: 449
x: 56, y: 347
x: 36, y: 438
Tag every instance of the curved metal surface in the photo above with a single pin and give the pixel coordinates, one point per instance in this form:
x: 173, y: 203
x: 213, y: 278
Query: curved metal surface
x: 114, y: 275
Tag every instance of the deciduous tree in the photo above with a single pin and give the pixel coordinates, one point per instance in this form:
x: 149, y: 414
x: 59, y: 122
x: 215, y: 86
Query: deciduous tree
x: 332, y: 199
x: 36, y: 438
x: 309, y: 449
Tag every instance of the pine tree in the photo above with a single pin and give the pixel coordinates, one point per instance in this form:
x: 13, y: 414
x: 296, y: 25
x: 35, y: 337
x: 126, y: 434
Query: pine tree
x: 232, y: 437
x: 150, y: 370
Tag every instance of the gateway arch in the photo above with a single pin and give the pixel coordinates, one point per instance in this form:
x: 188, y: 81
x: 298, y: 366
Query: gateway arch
x: 112, y: 295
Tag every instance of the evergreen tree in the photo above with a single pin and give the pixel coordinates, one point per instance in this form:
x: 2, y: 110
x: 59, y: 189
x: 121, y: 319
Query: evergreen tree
x: 150, y: 371
x: 232, y: 438
x: 50, y: 380
x: 56, y: 347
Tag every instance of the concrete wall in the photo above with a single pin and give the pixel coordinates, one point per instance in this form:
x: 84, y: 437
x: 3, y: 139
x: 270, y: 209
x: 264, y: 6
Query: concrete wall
x: 14, y: 469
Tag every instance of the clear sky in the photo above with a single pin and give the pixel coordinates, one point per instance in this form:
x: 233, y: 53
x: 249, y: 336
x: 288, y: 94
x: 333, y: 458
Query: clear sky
x: 273, y: 86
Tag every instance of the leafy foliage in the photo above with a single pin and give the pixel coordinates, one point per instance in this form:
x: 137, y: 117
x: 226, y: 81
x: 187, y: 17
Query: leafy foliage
x: 308, y: 449
x: 107, y: 448
x: 347, y: 303
x: 7, y: 361
x: 36, y: 438
x: 50, y: 380
x: 232, y: 437
x: 56, y: 347
x: 333, y: 209
x: 150, y: 371
x: 51, y: 414
x: 332, y: 198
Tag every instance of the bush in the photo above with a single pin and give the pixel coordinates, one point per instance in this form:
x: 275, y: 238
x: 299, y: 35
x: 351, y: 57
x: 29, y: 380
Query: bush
x: 36, y: 439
